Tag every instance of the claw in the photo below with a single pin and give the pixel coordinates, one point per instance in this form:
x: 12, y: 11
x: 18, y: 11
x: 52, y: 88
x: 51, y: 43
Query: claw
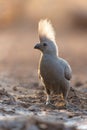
x: 48, y: 102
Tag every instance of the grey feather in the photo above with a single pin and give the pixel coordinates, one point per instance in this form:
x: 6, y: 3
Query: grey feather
x: 67, y: 69
x: 55, y: 72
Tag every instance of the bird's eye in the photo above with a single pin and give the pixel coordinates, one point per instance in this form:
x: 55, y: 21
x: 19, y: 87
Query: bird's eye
x: 44, y: 44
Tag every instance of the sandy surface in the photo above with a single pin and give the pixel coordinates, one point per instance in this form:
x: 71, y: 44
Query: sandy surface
x: 22, y: 98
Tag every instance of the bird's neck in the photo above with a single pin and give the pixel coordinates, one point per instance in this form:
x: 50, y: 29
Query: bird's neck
x: 48, y: 55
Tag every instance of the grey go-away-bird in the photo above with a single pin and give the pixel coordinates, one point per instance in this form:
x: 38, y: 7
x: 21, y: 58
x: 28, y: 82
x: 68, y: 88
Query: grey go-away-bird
x: 53, y: 71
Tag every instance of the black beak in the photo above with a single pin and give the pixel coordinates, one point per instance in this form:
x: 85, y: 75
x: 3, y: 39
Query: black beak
x: 37, y: 46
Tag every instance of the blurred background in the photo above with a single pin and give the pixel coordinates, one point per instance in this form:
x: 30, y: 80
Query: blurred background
x: 18, y: 34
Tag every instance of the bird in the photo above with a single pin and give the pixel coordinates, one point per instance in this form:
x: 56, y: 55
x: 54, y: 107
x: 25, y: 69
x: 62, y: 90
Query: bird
x: 54, y: 71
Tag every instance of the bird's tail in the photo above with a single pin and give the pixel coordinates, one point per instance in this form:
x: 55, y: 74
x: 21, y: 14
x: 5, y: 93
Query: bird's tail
x: 46, y: 31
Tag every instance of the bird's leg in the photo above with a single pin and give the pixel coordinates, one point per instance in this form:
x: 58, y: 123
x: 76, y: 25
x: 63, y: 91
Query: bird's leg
x: 65, y: 98
x: 48, y: 96
x: 65, y: 95
x: 48, y: 99
x: 66, y: 102
x: 48, y: 103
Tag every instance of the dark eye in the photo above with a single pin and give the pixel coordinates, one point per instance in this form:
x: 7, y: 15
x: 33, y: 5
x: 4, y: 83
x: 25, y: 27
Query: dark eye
x: 44, y: 44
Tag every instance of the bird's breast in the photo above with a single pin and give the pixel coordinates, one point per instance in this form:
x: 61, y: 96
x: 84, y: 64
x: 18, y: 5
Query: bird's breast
x: 51, y: 71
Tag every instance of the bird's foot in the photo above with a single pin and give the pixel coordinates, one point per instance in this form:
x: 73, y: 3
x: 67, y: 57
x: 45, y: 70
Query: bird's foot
x: 67, y: 105
x: 70, y: 106
x: 49, y: 104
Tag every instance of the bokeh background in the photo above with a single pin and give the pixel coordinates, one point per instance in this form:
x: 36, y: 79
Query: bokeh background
x: 18, y: 34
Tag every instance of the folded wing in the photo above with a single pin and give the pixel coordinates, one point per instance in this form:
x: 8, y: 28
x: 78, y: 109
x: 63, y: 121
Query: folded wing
x: 68, y: 72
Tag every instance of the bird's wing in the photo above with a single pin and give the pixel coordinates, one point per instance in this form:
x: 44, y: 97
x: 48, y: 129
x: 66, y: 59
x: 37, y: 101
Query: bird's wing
x: 67, y: 69
x: 68, y: 72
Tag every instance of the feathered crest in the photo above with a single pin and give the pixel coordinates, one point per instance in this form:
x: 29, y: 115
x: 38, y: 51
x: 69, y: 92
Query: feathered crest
x: 46, y: 30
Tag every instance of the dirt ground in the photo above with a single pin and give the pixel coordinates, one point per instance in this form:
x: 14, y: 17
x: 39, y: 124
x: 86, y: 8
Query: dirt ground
x: 22, y: 97
x: 22, y: 105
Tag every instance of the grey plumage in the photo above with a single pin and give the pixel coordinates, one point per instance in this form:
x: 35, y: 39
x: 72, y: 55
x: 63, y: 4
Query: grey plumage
x: 54, y: 71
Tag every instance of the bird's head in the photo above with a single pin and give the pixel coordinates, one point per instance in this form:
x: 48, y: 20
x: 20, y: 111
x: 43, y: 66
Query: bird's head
x: 46, y: 47
x: 47, y: 43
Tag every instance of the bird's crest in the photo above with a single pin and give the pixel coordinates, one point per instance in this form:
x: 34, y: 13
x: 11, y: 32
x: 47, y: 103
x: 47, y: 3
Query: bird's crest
x: 46, y: 31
